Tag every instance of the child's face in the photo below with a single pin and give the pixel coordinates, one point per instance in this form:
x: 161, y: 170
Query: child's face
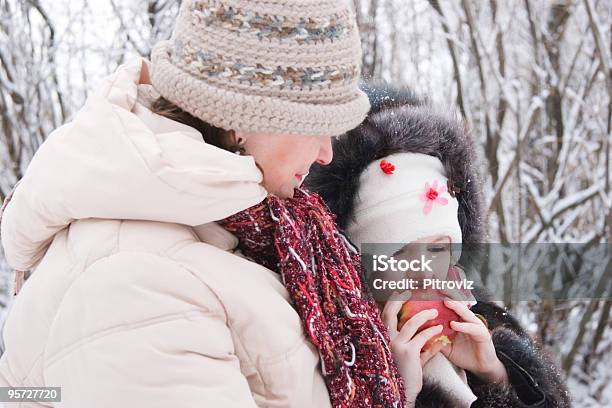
x: 434, y: 247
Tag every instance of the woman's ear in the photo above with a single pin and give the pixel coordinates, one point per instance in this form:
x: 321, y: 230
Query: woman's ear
x: 239, y: 137
x: 237, y: 140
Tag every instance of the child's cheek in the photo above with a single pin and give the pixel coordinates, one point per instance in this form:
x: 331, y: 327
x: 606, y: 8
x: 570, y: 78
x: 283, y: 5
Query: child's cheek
x: 439, y: 265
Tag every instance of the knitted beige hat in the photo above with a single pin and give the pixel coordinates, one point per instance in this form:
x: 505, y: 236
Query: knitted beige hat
x: 280, y: 66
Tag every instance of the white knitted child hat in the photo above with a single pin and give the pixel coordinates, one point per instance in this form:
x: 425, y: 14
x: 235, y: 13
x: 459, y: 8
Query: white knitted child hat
x: 279, y: 66
x: 402, y: 198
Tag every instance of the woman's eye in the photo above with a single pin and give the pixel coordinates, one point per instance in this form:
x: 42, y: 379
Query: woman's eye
x: 437, y: 249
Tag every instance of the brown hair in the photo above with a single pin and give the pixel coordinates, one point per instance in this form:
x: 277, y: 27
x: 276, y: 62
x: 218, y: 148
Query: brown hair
x: 225, y: 139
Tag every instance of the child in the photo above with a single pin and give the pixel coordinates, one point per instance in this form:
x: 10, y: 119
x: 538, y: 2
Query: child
x: 409, y: 175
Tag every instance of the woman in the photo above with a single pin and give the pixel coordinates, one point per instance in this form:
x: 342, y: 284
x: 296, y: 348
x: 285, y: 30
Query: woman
x: 130, y: 215
x: 409, y: 175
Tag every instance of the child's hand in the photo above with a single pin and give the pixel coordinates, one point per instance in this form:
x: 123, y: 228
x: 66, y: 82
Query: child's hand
x: 473, y: 349
x: 406, y: 345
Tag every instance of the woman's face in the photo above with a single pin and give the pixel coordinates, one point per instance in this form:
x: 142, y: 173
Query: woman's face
x: 285, y: 159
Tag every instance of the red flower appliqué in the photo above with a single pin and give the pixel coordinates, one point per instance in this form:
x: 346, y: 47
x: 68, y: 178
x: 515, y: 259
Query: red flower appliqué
x: 432, y: 194
x: 387, y: 167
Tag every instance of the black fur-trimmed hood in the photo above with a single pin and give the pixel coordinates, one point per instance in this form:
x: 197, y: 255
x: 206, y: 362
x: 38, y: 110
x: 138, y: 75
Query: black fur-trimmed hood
x: 400, y: 122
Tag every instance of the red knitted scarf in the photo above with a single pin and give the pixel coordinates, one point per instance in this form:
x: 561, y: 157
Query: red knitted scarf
x: 298, y: 238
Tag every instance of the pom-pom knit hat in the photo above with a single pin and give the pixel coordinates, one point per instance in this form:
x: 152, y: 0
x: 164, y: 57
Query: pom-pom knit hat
x: 278, y: 66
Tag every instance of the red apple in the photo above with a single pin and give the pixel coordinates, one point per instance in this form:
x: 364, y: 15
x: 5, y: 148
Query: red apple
x: 429, y: 299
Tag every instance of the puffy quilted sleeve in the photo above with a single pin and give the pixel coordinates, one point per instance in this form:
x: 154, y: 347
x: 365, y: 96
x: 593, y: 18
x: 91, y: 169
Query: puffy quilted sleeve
x: 138, y: 330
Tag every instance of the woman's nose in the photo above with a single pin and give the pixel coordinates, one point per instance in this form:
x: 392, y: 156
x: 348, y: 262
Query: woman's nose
x: 326, y: 153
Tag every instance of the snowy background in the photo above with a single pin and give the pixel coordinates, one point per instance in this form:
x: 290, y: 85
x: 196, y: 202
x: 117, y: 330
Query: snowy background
x: 532, y: 78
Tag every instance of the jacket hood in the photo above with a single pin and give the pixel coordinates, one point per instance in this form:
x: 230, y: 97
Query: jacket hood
x: 399, y: 122
x: 117, y: 160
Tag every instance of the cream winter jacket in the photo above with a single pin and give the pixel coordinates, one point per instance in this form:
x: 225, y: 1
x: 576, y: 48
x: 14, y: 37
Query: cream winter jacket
x: 137, y: 297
